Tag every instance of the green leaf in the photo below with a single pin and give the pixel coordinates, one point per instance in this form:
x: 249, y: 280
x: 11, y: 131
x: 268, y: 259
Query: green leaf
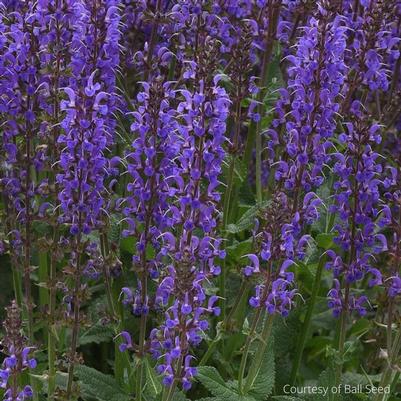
x: 354, y: 378
x: 212, y: 380
x: 115, y: 229
x: 247, y: 220
x: 361, y: 327
x: 264, y: 382
x: 179, y: 396
x: 128, y: 244
x: 222, y: 390
x: 317, y: 346
x: 153, y: 383
x: 99, y: 386
x: 236, y: 251
x: 96, y: 334
x: 208, y: 399
x: 41, y: 227
x: 61, y: 380
x: 239, y: 172
x: 326, y: 380
x: 325, y: 240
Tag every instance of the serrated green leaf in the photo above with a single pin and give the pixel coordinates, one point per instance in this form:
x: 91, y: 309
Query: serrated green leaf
x: 153, y: 383
x: 208, y: 399
x: 238, y: 249
x: 99, y: 386
x: 61, y: 380
x: 212, y: 380
x: 354, y: 378
x: 360, y: 327
x: 327, y: 380
x: 264, y: 382
x: 325, y: 240
x: 317, y: 345
x: 115, y: 229
x: 128, y: 244
x: 179, y: 396
x: 240, y: 169
x: 222, y: 390
x: 96, y: 334
x: 247, y: 220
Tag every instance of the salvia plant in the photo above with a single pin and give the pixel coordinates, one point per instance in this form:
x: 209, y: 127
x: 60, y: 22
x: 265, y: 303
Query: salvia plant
x: 200, y: 200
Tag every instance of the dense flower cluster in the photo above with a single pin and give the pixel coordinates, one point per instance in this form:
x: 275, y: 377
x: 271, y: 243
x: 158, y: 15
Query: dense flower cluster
x: 154, y: 174
x: 281, y: 244
x: 307, y: 108
x: 357, y: 202
x: 193, y: 252
x: 91, y: 95
x: 304, y: 126
x: 181, y: 133
x: 374, y: 46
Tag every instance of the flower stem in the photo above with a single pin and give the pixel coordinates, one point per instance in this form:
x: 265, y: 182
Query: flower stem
x: 104, y: 244
x: 139, y: 378
x: 43, y: 291
x: 76, y: 325
x: 274, y: 12
x: 17, y: 284
x: 224, y: 324
x: 307, y: 321
x: 390, y: 324
x: 52, y: 336
x: 257, y: 361
x: 52, y: 339
x: 342, y: 334
x: 28, y: 224
x: 169, y: 391
x: 247, y: 347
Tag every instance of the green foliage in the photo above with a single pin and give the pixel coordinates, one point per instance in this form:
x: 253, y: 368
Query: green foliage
x: 221, y: 389
x: 247, y: 220
x: 286, y: 398
x: 264, y: 382
x: 326, y: 380
x: 153, y: 385
x: 98, y: 386
x: 325, y: 240
x: 96, y: 334
x: 208, y: 399
x: 179, y: 396
x: 238, y: 249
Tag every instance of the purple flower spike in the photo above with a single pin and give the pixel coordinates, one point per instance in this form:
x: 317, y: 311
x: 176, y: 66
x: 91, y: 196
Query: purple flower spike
x: 17, y: 357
